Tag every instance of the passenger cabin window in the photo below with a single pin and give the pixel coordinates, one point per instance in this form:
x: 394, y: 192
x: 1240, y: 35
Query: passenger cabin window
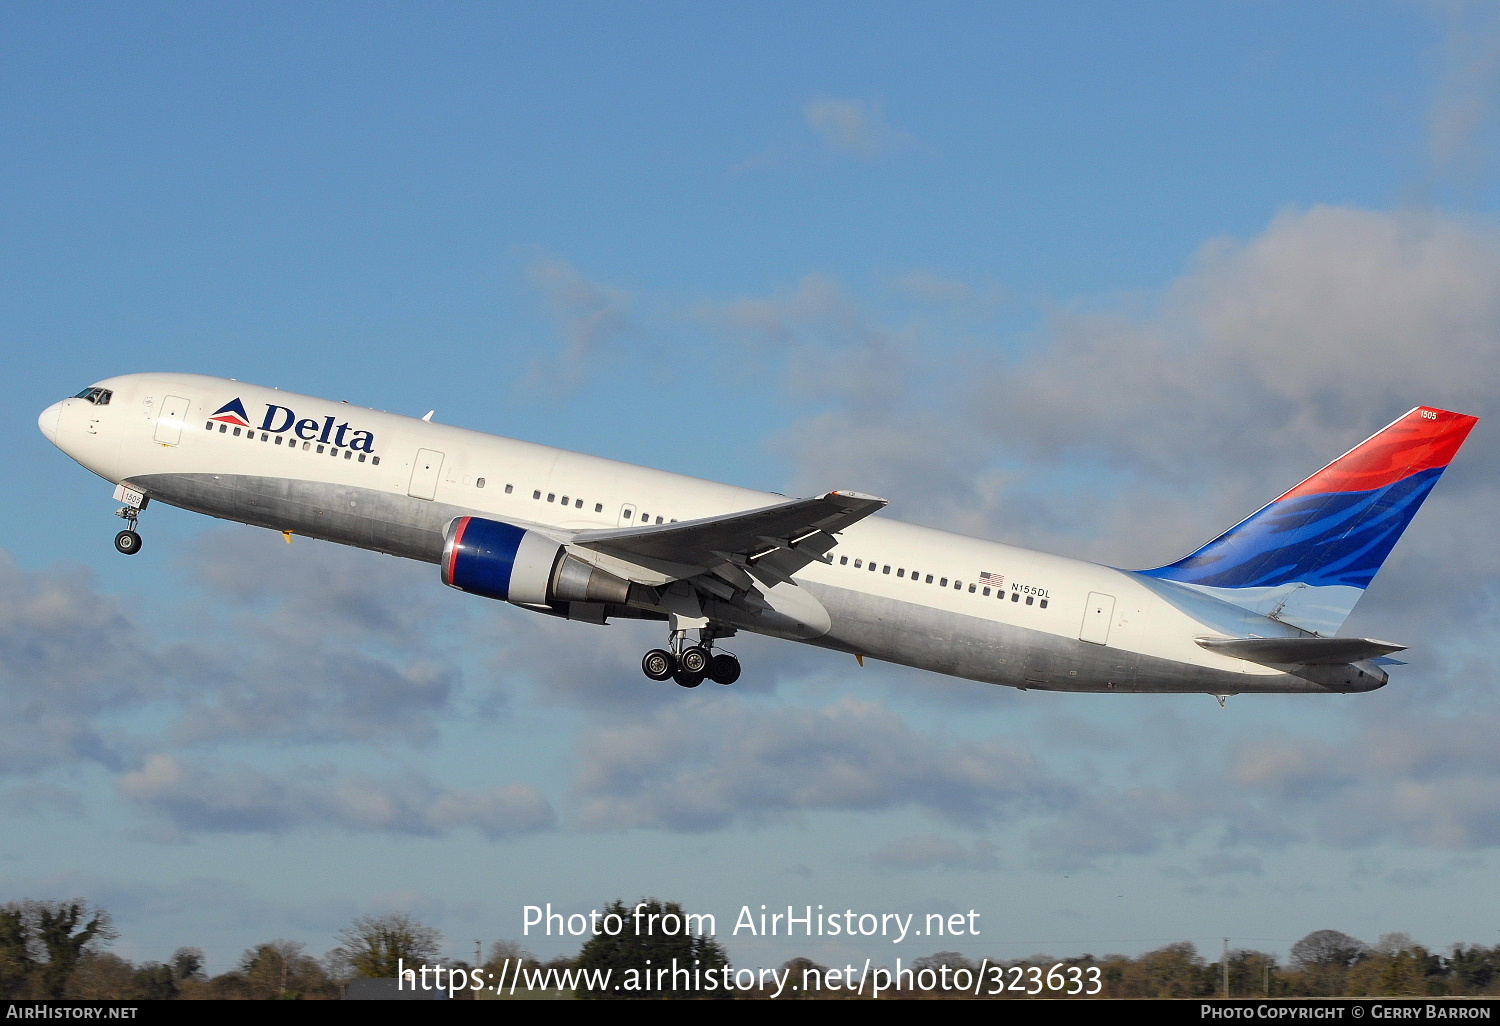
x: 843, y: 561
x: 598, y: 507
x: 929, y: 578
x: 551, y: 496
x: 479, y: 483
x: 578, y: 504
x: 887, y: 569
x: 536, y: 495
x: 509, y: 489
x: 858, y: 564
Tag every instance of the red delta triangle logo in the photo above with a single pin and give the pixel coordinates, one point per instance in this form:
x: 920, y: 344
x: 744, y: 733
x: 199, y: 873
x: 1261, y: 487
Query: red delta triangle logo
x: 232, y: 412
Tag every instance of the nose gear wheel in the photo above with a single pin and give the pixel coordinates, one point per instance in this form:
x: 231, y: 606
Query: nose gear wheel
x: 128, y: 541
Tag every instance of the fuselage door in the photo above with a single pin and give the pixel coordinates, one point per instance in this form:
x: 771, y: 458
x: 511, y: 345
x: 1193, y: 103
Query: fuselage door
x: 169, y: 421
x: 424, y: 474
x: 1096, y: 618
x: 627, y: 514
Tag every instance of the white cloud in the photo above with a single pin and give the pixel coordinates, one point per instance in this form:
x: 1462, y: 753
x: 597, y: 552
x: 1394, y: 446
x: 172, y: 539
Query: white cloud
x: 68, y: 656
x: 589, y: 315
x: 1467, y: 89
x: 853, y: 127
x: 928, y: 851
x: 35, y: 798
x: 1430, y: 781
x: 194, y: 796
x: 704, y: 765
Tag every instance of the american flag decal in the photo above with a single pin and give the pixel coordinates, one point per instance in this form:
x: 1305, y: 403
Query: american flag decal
x: 998, y: 580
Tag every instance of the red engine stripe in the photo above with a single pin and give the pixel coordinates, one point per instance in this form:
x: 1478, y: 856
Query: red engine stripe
x: 458, y: 539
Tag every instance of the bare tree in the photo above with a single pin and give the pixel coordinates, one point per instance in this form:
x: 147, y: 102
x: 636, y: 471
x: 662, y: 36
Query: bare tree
x: 379, y: 946
x: 1327, y: 948
x: 41, y: 943
x: 1325, y: 956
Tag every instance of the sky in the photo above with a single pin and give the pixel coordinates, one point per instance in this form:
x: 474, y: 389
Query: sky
x: 1090, y: 278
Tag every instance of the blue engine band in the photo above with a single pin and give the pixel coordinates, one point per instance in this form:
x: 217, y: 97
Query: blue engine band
x: 484, y: 558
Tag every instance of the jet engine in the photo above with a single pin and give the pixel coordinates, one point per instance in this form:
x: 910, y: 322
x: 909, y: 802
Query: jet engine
x: 503, y: 561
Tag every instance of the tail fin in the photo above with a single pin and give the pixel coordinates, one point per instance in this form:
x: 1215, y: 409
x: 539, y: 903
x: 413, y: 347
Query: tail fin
x: 1306, y: 557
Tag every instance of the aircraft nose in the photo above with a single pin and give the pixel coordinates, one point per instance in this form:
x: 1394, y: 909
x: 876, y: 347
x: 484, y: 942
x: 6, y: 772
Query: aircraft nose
x: 48, y: 421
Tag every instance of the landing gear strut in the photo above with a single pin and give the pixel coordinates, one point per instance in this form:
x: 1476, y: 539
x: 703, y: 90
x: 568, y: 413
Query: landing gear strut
x: 688, y: 664
x: 128, y: 541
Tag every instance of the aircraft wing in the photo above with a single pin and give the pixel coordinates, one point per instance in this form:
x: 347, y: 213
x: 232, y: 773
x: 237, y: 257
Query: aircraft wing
x: 764, y: 546
x: 1301, y: 651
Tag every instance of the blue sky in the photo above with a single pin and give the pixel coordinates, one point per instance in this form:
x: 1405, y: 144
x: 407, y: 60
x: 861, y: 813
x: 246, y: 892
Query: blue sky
x: 1094, y: 278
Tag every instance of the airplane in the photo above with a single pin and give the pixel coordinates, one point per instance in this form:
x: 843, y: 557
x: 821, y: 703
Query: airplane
x: 1256, y: 610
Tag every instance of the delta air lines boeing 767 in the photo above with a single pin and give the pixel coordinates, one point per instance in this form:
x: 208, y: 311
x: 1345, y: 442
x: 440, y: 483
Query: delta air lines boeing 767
x: 1255, y: 610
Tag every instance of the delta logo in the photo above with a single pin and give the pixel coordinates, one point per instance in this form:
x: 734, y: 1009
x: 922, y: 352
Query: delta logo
x: 232, y: 412
x: 281, y: 419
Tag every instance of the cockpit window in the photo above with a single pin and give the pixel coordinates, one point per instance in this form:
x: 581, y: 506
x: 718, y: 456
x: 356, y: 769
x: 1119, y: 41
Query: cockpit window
x: 97, y: 396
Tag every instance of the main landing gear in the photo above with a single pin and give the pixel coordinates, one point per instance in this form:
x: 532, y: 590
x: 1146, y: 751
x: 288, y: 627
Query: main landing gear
x: 689, y: 665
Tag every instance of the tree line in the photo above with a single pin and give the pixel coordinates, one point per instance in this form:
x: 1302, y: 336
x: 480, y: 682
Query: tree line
x: 57, y: 949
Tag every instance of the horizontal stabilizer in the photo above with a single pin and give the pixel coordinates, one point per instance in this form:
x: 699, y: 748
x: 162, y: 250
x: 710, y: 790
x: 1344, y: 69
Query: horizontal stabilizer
x: 1300, y: 651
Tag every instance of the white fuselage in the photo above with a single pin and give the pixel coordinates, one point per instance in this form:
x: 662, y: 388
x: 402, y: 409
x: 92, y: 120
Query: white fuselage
x: 892, y: 591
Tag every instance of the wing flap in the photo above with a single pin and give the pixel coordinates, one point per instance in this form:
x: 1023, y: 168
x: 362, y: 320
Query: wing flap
x: 1300, y: 651
x: 771, y: 542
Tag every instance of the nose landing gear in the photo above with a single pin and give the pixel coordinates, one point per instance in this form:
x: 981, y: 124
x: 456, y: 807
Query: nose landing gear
x: 128, y: 541
x: 689, y: 665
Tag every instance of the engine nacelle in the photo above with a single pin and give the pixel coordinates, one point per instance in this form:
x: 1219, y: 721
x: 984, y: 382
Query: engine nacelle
x: 503, y: 561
